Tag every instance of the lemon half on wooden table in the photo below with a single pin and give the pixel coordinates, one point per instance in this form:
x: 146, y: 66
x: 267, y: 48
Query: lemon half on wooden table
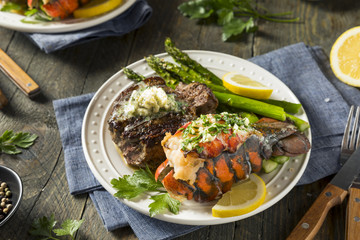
x: 96, y: 7
x: 242, y: 198
x: 345, y: 57
x: 244, y: 86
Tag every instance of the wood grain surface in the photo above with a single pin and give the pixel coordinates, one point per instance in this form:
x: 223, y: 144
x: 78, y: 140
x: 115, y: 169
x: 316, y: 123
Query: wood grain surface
x: 84, y: 68
x: 353, y: 214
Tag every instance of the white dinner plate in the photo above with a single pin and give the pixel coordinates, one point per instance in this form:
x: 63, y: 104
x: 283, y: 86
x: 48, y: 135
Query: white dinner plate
x: 106, y: 163
x: 13, y: 21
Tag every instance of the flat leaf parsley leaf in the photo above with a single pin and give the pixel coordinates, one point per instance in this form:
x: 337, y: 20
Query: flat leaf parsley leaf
x: 163, y: 202
x: 43, y: 227
x: 131, y: 186
x: 234, y: 16
x: 69, y: 227
x: 9, y: 141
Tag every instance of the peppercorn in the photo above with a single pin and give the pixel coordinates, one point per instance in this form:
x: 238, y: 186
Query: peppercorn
x: 5, y: 201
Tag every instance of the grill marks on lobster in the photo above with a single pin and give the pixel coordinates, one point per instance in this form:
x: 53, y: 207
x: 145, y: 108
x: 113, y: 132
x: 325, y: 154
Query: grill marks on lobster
x: 208, y: 168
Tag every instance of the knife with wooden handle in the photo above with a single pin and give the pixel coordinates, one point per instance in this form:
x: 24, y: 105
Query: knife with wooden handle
x: 353, y: 211
x: 18, y: 76
x: 333, y: 194
x: 3, y: 100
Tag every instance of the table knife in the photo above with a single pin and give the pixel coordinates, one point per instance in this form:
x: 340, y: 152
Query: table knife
x: 18, y: 76
x: 353, y: 211
x: 3, y: 100
x: 333, y: 194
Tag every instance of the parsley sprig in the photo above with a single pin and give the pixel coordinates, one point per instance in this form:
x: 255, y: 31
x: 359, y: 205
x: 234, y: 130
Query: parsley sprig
x: 234, y: 16
x: 10, y: 141
x: 44, y: 227
x: 143, y: 180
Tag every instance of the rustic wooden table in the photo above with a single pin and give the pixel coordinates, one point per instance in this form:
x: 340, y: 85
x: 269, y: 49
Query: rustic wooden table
x: 84, y: 68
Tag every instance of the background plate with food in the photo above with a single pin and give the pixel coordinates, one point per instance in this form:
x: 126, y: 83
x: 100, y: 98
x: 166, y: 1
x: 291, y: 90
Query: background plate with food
x: 106, y: 163
x: 16, y: 21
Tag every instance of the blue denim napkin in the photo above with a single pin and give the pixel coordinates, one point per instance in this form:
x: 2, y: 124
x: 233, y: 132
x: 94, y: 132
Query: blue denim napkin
x: 134, y: 17
x: 305, y: 70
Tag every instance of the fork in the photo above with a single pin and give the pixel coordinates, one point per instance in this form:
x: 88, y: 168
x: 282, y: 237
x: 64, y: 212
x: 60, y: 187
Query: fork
x: 348, y: 144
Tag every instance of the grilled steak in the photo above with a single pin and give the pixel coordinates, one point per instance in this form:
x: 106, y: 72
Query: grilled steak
x: 199, y: 96
x: 140, y: 117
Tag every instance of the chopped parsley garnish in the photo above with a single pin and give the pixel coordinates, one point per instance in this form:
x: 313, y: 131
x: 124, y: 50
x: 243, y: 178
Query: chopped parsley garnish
x: 207, y: 127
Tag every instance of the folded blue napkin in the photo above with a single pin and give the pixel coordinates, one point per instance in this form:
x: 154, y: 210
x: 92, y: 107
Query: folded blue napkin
x: 305, y: 70
x: 134, y: 17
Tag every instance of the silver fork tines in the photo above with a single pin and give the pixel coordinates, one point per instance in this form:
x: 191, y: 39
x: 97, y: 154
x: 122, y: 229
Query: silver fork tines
x: 351, y: 138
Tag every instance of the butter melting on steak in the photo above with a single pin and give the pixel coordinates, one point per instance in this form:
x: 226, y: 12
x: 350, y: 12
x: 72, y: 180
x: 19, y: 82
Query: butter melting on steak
x: 138, y: 130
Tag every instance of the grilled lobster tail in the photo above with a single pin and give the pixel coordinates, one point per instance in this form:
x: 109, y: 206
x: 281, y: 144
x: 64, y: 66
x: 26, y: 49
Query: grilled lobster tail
x: 57, y: 8
x: 210, y: 169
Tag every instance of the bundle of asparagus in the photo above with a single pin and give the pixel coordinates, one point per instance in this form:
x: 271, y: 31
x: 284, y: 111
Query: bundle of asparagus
x: 188, y: 70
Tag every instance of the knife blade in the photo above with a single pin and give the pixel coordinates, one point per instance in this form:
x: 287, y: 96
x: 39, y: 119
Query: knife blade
x: 333, y: 194
x: 18, y: 76
x: 353, y: 211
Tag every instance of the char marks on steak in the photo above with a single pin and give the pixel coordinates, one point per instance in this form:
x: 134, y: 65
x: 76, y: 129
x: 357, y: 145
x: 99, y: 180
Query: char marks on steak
x: 139, y: 138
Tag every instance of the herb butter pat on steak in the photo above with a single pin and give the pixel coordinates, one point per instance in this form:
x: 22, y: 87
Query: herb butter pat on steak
x: 144, y: 112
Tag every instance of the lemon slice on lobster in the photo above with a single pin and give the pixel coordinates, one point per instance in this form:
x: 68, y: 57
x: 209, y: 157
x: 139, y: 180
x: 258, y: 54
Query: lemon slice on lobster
x: 245, y: 86
x: 95, y: 8
x: 242, y: 198
x: 345, y: 57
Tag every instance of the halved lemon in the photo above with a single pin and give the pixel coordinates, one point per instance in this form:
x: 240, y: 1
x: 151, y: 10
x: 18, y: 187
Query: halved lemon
x: 244, y: 86
x: 242, y: 198
x: 95, y: 8
x: 345, y: 57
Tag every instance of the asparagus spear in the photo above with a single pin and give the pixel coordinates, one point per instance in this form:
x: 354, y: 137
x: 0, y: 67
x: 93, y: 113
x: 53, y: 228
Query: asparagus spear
x: 133, y: 75
x: 183, y: 58
x: 186, y: 75
x: 288, y: 106
x: 299, y: 123
x: 251, y: 105
x: 156, y: 65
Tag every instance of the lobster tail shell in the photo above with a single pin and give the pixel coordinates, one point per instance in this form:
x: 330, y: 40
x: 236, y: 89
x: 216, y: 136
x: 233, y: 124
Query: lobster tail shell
x: 207, y: 186
x: 217, y: 175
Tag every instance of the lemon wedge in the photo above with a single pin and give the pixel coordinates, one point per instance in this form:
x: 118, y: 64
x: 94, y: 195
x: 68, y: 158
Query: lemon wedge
x: 345, y: 57
x: 245, y: 86
x: 242, y: 198
x: 96, y: 7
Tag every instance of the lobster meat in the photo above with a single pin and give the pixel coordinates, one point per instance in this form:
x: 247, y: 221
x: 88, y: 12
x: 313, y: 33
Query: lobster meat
x: 207, y: 156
